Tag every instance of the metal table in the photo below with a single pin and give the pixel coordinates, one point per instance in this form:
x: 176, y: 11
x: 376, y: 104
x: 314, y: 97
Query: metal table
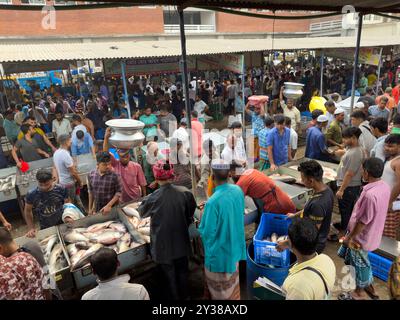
x: 9, y: 193
x: 84, y: 164
x: 297, y: 193
x: 389, y: 248
x: 27, y: 181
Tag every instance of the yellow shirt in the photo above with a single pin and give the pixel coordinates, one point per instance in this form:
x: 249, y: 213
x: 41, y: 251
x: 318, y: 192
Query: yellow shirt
x: 306, y: 284
x: 37, y: 130
x: 371, y: 79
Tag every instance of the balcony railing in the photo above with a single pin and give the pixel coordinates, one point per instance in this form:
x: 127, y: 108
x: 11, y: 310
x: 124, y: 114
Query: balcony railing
x: 189, y: 28
x: 326, y: 26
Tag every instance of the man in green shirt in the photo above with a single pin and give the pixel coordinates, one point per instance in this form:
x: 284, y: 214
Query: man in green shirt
x: 396, y: 124
x: 222, y: 232
x: 334, y: 133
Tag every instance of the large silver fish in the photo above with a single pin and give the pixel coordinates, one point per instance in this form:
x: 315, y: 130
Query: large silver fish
x: 72, y: 237
x: 99, y: 226
x: 55, y: 255
x: 144, y: 223
x: 144, y: 230
x: 80, y: 230
x: 49, y: 246
x: 117, y: 226
x: 84, y: 259
x: 131, y: 212
x: 72, y: 249
x: 124, y: 243
x: 108, y: 237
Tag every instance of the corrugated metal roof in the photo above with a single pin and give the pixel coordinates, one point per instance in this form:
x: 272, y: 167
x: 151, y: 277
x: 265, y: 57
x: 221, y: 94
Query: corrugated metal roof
x: 74, y: 50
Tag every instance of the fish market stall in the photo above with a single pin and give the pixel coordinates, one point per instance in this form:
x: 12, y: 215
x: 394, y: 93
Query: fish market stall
x: 55, y: 256
x: 84, y: 237
x: 7, y: 184
x: 289, y: 170
x: 84, y: 164
x: 26, y: 181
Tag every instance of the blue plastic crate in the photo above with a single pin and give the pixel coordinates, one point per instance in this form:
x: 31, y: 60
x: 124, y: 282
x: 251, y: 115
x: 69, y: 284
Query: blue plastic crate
x: 380, y: 266
x: 265, y: 251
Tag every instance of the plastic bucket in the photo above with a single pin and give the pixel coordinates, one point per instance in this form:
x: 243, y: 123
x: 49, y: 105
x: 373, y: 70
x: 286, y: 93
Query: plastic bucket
x: 255, y: 270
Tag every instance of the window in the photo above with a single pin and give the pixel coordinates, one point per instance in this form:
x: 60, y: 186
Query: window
x: 172, y: 17
x: 34, y: 2
x: 64, y: 3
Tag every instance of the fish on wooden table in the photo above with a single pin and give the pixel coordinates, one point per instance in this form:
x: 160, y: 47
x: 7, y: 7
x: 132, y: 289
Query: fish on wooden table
x: 144, y: 230
x: 80, y: 230
x: 144, y: 223
x: 82, y: 245
x: 72, y: 249
x: 124, y: 243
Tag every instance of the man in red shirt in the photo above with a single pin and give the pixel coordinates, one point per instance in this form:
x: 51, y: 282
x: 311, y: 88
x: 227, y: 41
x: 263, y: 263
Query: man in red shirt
x: 197, y: 137
x: 131, y: 173
x: 257, y: 185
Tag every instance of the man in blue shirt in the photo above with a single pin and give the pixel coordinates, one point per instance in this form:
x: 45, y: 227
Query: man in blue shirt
x: 83, y: 144
x: 315, y: 140
x: 262, y: 142
x: 278, y: 142
x: 380, y: 110
x: 222, y: 233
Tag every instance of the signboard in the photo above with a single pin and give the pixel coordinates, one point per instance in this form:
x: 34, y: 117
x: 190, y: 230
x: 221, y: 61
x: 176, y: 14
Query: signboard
x: 147, y: 66
x: 369, y: 56
x: 226, y: 61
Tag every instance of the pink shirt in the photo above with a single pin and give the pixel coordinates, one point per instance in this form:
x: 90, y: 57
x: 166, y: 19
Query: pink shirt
x: 371, y: 209
x: 197, y: 128
x: 132, y: 177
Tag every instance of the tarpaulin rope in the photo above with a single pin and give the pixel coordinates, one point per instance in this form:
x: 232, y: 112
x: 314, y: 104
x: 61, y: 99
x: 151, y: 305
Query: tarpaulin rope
x: 266, y: 16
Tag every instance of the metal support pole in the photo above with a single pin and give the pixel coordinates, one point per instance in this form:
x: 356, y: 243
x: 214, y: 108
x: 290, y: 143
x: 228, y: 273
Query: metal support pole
x: 125, y: 88
x: 357, y: 53
x: 244, y: 99
x: 379, y: 71
x: 322, y: 74
x: 185, y: 83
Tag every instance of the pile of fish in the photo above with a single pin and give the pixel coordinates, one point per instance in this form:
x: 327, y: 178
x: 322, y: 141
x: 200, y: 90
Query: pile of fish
x: 82, y: 243
x: 53, y: 253
x: 275, y: 238
x: 134, y: 218
x: 6, y: 183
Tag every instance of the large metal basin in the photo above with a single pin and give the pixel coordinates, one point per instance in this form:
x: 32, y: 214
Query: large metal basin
x: 126, y: 133
x: 293, y: 90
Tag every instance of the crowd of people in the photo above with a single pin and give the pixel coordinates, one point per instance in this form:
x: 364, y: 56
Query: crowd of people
x: 368, y: 153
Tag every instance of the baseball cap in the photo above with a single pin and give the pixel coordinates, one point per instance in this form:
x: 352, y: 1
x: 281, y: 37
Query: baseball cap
x: 322, y: 118
x: 338, y: 111
x: 220, y: 164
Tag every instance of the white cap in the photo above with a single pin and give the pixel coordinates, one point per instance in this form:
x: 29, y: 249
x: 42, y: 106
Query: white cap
x: 359, y: 105
x: 338, y: 111
x: 322, y: 118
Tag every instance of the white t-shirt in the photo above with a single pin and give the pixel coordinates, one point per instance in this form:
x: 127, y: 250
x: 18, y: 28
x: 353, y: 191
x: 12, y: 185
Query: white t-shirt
x: 367, y: 140
x: 63, y: 161
x: 61, y: 128
x: 118, y: 288
x: 293, y: 139
x: 293, y: 114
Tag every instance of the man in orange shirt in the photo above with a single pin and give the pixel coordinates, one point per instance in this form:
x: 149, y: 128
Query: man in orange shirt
x: 388, y: 93
x: 257, y: 185
x: 197, y: 137
x: 396, y: 93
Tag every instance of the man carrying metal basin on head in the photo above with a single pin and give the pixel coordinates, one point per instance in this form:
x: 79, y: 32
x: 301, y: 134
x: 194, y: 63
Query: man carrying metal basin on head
x: 257, y: 120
